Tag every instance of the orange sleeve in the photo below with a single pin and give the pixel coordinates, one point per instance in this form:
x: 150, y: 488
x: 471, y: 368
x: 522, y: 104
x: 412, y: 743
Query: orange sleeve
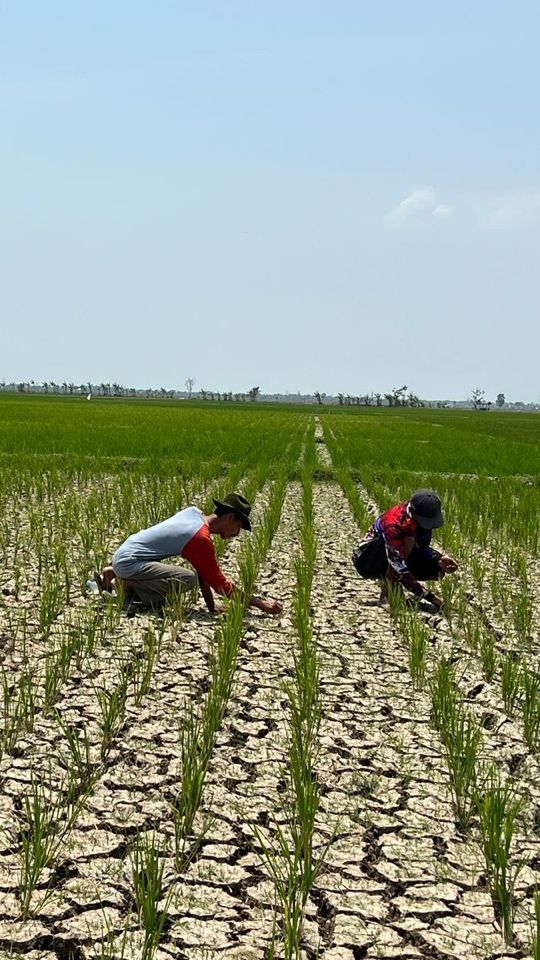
x: 201, y: 553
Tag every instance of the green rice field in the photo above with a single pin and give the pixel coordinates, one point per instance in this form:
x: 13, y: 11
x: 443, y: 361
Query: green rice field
x: 340, y: 781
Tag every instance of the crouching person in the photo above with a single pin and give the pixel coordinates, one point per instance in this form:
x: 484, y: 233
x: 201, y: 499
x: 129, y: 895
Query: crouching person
x: 138, y: 569
x: 397, y: 550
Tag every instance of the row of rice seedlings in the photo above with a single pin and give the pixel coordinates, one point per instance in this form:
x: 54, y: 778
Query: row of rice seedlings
x: 199, y: 730
x: 37, y: 687
x: 289, y: 854
x: 416, y: 633
x: 152, y: 899
x: 49, y: 812
x: 136, y: 675
x: 462, y: 740
x: 481, y: 797
x: 18, y: 708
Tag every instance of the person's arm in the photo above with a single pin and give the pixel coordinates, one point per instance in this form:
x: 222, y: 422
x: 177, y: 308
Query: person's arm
x: 208, y: 596
x: 398, y: 548
x: 201, y: 553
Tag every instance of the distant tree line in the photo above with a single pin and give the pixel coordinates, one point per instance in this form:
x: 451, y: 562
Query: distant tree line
x: 398, y: 397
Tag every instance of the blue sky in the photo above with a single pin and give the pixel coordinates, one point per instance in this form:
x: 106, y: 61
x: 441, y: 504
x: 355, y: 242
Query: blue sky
x: 305, y: 196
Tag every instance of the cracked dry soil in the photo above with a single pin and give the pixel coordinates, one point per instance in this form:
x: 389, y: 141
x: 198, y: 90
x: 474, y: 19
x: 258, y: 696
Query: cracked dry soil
x: 399, y: 881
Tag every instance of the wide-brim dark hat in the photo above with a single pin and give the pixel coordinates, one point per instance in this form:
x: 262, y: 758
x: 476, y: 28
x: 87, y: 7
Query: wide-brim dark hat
x: 426, y: 508
x: 235, y: 503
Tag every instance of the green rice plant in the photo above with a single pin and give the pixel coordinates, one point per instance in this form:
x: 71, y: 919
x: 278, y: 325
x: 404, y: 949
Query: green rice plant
x: 142, y: 666
x: 51, y: 603
x: 472, y: 628
x: 536, y: 936
x: 444, y: 696
x: 15, y: 704
x: 488, y: 653
x: 499, y: 591
x: 417, y: 635
x: 479, y: 570
x: 499, y: 807
x: 522, y: 614
x: 511, y: 681
x: 78, y: 762
x: 44, y: 826
x: 112, y: 706
x: 174, y: 614
x: 462, y: 741
x: 283, y: 862
x: 449, y: 589
x: 530, y: 706
x: 52, y: 681
x: 148, y: 866
x: 91, y: 634
x: 196, y: 745
x: 248, y: 568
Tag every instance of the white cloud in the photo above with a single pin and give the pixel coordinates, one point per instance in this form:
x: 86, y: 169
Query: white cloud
x: 517, y: 209
x: 442, y: 211
x: 422, y: 202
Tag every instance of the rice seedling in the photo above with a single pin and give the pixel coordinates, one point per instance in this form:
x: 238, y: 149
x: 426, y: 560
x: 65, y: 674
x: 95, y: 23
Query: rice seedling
x: 511, y: 681
x: 51, y: 604
x: 536, y: 935
x: 44, y: 825
x: 142, y: 665
x: 462, y: 741
x: 78, y: 760
x: 112, y: 706
x: 148, y: 866
x: 522, y: 614
x: 488, y: 653
x: 499, y: 806
x: 530, y: 706
x: 195, y: 746
x: 417, y: 635
x: 444, y: 696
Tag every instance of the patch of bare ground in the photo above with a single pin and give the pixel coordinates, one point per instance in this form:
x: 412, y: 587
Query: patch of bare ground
x: 400, y: 881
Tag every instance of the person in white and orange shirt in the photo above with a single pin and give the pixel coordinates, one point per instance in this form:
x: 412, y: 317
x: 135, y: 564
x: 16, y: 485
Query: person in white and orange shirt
x: 137, y: 566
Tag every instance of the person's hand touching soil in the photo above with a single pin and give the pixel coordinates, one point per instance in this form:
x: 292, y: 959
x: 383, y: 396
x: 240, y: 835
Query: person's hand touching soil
x: 267, y: 606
